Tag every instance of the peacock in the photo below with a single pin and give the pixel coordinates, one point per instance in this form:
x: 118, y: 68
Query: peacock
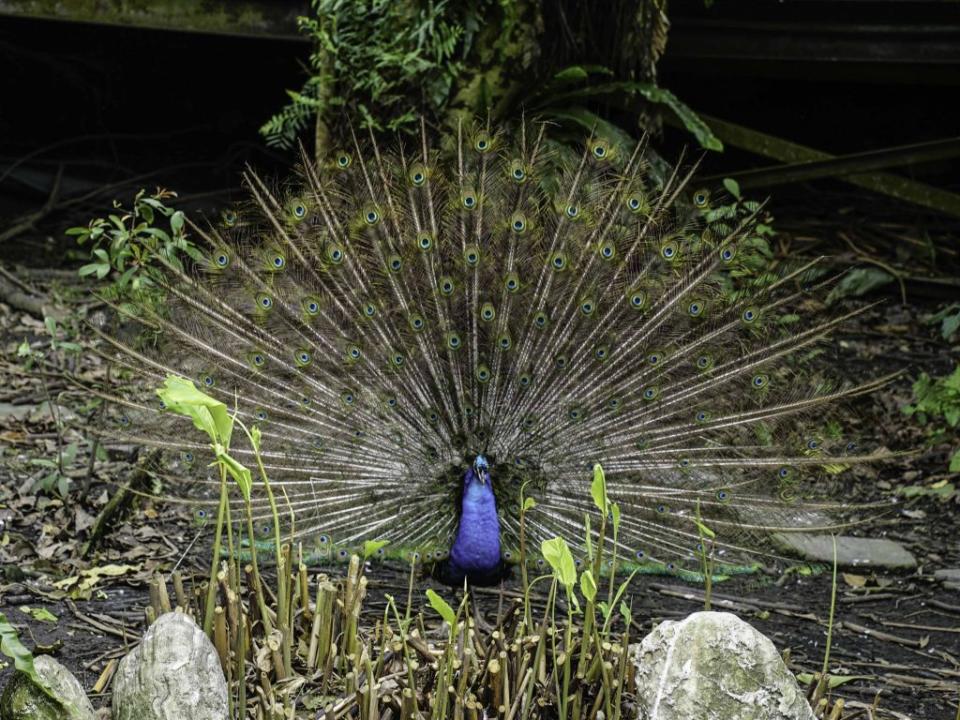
x: 428, y: 332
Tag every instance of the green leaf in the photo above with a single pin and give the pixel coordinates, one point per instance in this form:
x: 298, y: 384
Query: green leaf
x: 557, y: 553
x: 370, y: 547
x: 832, y: 680
x: 615, y: 512
x: 176, y: 222
x: 598, y: 490
x: 732, y: 186
x: 529, y: 504
x: 39, y: 614
x: 955, y: 462
x: 704, y: 530
x: 239, y: 472
x: 181, y: 396
x: 859, y: 282
x: 11, y: 646
x: 625, y: 612
x: 442, y: 608
x: 588, y: 586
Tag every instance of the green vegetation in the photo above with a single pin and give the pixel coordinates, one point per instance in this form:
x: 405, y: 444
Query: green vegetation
x: 386, y: 63
x: 936, y: 406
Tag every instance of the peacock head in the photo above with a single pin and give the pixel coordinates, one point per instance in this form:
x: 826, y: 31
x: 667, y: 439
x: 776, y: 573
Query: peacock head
x: 481, y: 468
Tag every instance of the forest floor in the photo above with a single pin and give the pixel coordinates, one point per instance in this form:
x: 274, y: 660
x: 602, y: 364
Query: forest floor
x: 897, y: 633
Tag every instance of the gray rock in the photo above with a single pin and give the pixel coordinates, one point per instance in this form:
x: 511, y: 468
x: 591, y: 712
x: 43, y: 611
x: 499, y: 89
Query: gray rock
x: 174, y: 674
x: 851, y: 551
x: 23, y: 700
x: 950, y: 577
x: 714, y: 666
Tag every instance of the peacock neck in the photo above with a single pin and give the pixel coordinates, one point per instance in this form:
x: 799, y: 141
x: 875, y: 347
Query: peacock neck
x: 476, y: 548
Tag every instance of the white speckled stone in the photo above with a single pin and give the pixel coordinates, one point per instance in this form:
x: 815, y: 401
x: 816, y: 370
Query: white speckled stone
x: 174, y: 674
x: 714, y: 666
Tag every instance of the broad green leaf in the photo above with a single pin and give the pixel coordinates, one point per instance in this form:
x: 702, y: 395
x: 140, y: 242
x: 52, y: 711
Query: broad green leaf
x: 442, y: 608
x: 557, y: 553
x: 625, y: 612
x: 832, y: 680
x: 210, y: 415
x: 11, y: 646
x: 732, y: 186
x: 370, y: 547
x: 615, y: 512
x: 529, y: 504
x: 598, y: 490
x: 588, y: 587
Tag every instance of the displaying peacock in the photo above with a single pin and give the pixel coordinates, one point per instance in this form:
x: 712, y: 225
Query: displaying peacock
x: 424, y: 335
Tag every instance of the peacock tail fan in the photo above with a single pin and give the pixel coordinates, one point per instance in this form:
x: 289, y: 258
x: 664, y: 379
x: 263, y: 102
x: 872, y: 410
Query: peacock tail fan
x: 389, y: 314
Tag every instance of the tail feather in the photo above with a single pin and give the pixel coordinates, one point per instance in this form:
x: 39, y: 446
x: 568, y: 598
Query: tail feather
x: 393, y: 313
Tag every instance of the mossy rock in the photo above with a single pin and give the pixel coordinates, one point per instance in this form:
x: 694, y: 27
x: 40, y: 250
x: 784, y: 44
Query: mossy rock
x: 23, y: 700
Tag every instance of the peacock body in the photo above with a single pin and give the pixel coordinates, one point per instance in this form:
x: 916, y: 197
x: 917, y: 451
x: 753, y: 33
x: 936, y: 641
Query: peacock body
x: 427, y: 335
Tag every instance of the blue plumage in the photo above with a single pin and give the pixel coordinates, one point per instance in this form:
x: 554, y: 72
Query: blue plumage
x: 475, y: 553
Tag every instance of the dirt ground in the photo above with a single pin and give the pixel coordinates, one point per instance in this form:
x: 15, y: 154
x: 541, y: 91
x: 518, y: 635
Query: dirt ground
x: 896, y: 633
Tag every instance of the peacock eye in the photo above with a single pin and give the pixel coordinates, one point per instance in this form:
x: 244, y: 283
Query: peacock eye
x: 695, y: 309
x: 650, y: 393
x: 299, y: 210
x: 482, y: 143
x: 559, y: 261
x: 313, y: 308
x: 813, y: 443
x: 540, y: 319
x: 607, y: 251
x: 398, y: 359
x: 369, y: 310
x: 395, y: 263
x: 261, y: 415
x: 760, y: 381
x: 519, y: 224
x: 722, y: 495
x: 524, y: 380
x: 418, y: 178
x: 640, y: 554
x: 279, y: 262
x: 424, y: 241
x: 258, y: 359
x: 587, y: 307
x: 222, y: 260
x: 633, y: 203
x: 188, y: 456
x: 749, y: 315
x: 572, y: 211
x: 323, y: 539
x: 483, y: 373
x: 343, y: 160
x: 229, y: 218
x: 453, y: 341
x: 702, y: 416
x: 700, y: 198
x: 519, y: 174
x: 727, y: 253
x: 669, y: 251
x: 469, y: 201
x: 446, y: 287
x: 372, y: 217
x: 472, y: 257
x: 208, y: 380
x: 637, y: 300
x: 303, y: 357
x: 487, y: 312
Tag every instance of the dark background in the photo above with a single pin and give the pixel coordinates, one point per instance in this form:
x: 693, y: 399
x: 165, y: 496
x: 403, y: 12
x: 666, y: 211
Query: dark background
x: 113, y: 102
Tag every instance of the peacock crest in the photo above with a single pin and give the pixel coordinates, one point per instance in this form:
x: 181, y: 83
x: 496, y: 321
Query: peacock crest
x: 390, y: 316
